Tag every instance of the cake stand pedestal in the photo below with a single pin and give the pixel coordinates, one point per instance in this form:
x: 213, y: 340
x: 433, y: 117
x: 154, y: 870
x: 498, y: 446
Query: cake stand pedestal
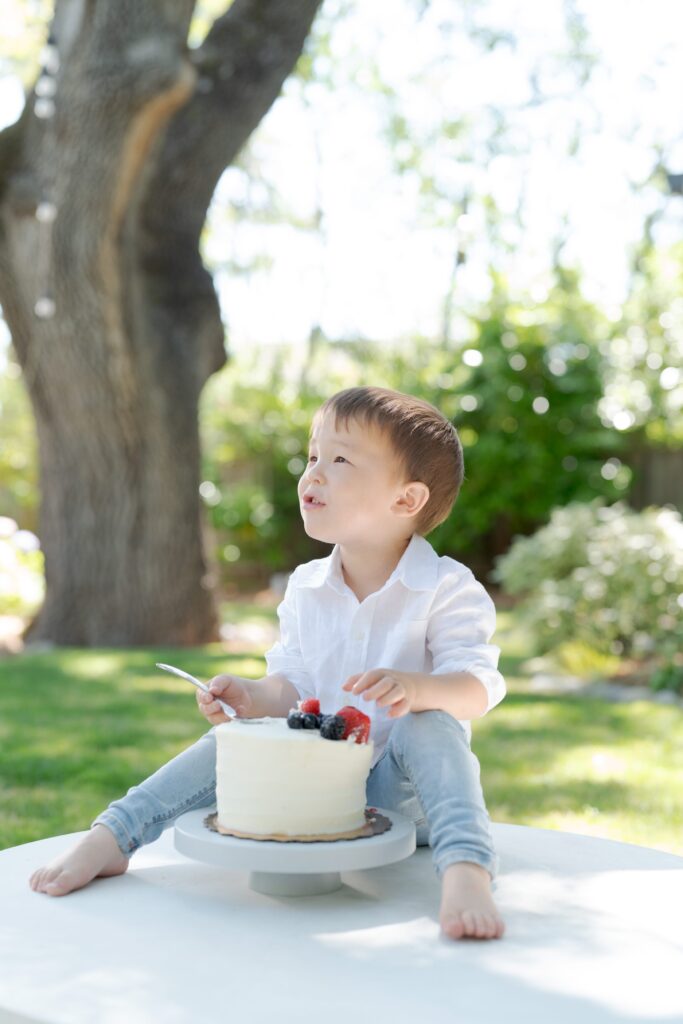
x: 293, y: 869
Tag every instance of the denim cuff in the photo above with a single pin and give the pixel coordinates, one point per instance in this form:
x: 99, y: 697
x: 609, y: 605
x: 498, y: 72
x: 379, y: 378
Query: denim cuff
x: 125, y: 842
x: 462, y: 855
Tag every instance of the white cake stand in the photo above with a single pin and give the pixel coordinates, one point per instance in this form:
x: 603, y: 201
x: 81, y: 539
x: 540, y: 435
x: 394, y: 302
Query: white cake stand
x: 293, y: 869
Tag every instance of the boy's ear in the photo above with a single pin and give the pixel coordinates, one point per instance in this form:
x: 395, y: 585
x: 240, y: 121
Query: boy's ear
x: 413, y: 497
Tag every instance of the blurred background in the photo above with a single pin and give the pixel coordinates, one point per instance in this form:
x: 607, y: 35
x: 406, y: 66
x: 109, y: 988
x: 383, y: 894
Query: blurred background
x: 211, y: 221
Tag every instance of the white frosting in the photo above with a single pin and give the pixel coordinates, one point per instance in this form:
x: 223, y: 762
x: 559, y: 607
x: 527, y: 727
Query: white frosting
x: 271, y: 779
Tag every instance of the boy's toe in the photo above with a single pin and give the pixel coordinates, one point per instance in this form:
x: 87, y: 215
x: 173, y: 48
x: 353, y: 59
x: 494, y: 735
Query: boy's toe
x: 453, y: 927
x: 49, y: 877
x: 59, y: 884
x: 41, y: 880
x: 470, y: 920
x: 472, y: 924
x: 492, y: 927
x: 478, y: 925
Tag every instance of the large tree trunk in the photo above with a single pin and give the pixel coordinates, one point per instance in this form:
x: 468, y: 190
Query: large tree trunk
x: 142, y: 130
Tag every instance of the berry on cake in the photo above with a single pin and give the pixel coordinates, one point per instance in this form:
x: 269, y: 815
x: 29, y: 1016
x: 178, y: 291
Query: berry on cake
x: 347, y: 723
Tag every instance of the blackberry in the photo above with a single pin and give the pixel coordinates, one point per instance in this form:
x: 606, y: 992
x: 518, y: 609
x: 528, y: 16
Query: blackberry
x: 295, y: 719
x: 332, y: 727
x: 310, y: 721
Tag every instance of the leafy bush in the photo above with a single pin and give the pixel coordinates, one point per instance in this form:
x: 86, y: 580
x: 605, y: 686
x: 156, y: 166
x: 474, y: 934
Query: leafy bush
x: 669, y: 676
x: 605, y: 576
x: 529, y: 421
x: 646, y: 351
x: 523, y: 392
x: 18, y: 446
x: 255, y: 435
x: 21, y: 570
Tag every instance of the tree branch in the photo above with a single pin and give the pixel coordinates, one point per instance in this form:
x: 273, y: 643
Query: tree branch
x: 242, y: 65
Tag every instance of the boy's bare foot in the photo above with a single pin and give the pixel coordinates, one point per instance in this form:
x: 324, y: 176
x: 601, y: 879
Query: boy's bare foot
x: 96, y: 855
x: 467, y: 907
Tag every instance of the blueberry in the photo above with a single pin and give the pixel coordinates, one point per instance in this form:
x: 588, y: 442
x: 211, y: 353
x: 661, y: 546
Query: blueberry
x: 332, y: 727
x: 295, y: 719
x: 310, y: 721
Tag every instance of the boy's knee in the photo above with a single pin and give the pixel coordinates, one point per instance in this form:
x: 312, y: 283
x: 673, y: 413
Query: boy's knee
x: 426, y: 728
x: 421, y: 725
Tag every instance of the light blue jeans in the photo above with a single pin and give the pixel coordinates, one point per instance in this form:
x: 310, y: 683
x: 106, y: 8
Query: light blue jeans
x: 427, y: 772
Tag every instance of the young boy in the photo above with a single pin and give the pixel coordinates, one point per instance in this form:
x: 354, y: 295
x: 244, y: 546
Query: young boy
x: 382, y: 623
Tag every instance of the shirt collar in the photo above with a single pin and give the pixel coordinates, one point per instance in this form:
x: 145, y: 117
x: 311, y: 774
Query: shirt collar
x: 417, y: 569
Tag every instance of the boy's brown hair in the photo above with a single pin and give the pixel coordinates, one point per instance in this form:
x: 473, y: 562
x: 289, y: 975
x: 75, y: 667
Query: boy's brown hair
x: 426, y: 443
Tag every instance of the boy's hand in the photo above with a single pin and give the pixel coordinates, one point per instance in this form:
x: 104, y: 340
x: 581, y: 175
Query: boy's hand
x: 388, y: 687
x: 231, y: 689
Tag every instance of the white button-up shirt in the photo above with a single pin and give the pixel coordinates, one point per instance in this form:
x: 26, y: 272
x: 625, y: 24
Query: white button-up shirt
x: 431, y: 616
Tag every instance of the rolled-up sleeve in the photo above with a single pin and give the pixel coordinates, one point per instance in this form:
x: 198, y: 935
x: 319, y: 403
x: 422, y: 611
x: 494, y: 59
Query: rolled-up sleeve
x: 285, y: 657
x: 461, y: 624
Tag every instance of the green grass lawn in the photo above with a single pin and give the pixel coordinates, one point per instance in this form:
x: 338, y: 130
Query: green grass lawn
x: 78, y: 727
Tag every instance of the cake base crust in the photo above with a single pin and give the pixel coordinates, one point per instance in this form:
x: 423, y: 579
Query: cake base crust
x: 375, y: 824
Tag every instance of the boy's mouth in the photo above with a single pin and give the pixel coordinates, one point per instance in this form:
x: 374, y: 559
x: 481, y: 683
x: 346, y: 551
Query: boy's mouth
x: 311, y: 502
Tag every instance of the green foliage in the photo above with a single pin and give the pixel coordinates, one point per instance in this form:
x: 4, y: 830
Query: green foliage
x: 21, y: 570
x: 669, y: 676
x: 645, y: 380
x: 605, y: 576
x: 578, y: 659
x: 18, y: 450
x: 528, y: 418
x: 255, y: 433
x: 522, y: 458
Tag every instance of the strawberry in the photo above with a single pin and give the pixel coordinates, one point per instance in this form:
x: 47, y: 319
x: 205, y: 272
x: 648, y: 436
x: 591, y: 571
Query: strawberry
x: 356, y: 724
x: 310, y: 706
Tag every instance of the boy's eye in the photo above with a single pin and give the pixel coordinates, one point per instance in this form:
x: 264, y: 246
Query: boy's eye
x: 311, y: 458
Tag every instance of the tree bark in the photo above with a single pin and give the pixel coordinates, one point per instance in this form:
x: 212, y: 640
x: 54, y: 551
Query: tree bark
x: 143, y: 129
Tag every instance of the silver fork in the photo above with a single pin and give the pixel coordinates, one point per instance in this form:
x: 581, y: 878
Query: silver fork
x: 201, y: 686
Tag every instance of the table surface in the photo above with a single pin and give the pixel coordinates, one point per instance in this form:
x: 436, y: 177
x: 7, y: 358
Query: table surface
x: 593, y: 936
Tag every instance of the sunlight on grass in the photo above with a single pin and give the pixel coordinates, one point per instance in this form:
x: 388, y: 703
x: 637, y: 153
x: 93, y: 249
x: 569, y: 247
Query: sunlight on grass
x: 585, y: 765
x: 94, y: 664
x: 604, y: 765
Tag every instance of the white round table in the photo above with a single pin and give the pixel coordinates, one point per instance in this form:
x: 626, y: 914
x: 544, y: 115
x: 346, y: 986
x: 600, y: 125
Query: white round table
x: 594, y: 936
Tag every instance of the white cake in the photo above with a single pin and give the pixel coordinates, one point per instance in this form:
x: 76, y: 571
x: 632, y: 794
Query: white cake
x: 273, y: 780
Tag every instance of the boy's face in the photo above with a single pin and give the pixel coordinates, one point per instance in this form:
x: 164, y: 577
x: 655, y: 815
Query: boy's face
x: 358, y: 477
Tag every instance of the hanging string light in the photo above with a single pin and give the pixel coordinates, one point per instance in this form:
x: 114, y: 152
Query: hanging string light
x: 46, y: 209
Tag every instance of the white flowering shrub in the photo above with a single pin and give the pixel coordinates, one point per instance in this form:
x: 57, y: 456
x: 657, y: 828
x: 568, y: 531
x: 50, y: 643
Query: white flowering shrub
x: 605, y: 576
x: 22, y: 584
